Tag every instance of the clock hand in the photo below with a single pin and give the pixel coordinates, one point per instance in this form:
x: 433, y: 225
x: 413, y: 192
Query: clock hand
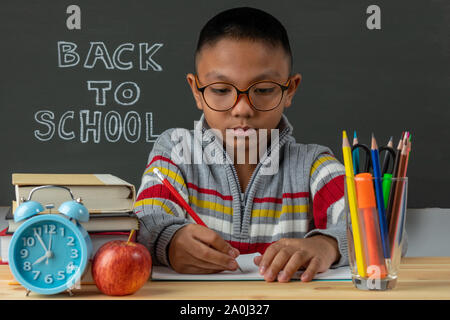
x: 40, y: 259
x: 50, y: 243
x: 49, y: 248
x: 47, y: 255
x: 40, y: 240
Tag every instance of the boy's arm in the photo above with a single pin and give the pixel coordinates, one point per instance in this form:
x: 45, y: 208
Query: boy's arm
x: 160, y: 215
x: 327, y: 178
x: 325, y: 245
x: 171, y: 238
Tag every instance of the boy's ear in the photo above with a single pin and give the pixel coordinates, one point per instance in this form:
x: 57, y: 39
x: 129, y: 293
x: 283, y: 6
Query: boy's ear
x: 197, y: 94
x: 293, y: 85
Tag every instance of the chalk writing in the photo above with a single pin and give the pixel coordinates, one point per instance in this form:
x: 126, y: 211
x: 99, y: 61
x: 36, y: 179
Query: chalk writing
x: 97, y: 125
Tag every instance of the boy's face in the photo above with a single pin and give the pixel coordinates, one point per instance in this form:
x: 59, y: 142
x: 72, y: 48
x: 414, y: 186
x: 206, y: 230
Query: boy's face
x: 241, y: 63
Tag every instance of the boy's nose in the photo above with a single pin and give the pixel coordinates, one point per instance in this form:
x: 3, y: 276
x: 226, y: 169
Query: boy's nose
x: 243, y: 106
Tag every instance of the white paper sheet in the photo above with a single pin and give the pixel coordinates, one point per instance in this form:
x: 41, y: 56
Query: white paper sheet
x: 249, y: 272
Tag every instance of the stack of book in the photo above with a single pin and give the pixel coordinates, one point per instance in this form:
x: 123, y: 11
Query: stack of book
x: 108, y: 199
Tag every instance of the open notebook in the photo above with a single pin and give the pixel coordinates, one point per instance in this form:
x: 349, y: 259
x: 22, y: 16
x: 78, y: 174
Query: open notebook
x: 249, y: 272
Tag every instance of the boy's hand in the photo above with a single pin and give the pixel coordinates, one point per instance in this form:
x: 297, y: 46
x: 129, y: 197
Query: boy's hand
x: 316, y: 254
x: 197, y: 249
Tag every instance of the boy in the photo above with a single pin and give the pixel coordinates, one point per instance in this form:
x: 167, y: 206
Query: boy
x: 292, y: 213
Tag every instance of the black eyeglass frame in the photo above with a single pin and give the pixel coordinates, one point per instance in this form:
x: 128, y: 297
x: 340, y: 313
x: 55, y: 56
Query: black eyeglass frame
x: 246, y: 92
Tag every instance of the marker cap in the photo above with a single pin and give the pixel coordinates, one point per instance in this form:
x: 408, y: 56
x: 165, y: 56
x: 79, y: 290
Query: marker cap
x: 365, y: 193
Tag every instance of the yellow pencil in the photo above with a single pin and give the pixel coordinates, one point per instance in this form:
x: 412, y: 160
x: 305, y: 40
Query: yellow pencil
x: 351, y: 192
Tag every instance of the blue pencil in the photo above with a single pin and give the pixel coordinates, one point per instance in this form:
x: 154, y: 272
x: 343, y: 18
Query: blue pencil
x: 379, y: 196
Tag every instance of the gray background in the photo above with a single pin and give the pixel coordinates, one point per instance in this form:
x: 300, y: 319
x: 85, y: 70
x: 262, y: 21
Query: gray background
x: 384, y: 81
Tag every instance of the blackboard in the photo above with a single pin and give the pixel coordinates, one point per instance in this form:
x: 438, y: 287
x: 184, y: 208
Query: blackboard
x: 382, y: 80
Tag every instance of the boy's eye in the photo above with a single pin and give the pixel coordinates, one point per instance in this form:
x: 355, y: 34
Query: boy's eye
x: 264, y: 90
x: 220, y: 90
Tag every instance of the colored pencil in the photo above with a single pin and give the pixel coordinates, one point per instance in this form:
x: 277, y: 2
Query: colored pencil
x: 351, y: 195
x: 355, y: 154
x: 398, y: 196
x: 379, y: 197
x: 387, y: 177
x: 394, y: 175
x: 185, y: 205
x: 409, y: 149
x: 406, y: 168
x: 387, y: 156
x: 175, y: 193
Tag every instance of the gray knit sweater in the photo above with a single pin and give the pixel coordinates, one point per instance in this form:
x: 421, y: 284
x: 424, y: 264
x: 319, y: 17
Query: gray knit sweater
x: 296, y: 191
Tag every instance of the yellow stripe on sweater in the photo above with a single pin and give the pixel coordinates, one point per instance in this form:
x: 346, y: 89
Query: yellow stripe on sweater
x: 168, y: 173
x: 319, y: 162
x: 211, y: 205
x: 151, y: 202
x: 255, y: 213
x: 260, y: 213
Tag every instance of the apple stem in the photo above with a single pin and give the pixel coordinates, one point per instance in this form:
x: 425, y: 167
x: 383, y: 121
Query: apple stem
x: 131, y: 235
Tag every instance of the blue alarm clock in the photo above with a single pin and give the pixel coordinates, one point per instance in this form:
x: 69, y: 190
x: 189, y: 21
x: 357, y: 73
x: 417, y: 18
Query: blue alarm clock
x: 49, y: 253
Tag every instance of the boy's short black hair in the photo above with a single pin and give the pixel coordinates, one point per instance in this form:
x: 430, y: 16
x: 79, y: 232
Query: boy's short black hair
x: 244, y: 23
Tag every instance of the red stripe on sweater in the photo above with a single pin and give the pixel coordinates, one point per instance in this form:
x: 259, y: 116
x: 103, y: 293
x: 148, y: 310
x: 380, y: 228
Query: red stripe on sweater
x: 209, y: 191
x: 229, y: 197
x: 156, y: 158
x: 158, y: 191
x: 324, y: 198
x: 255, y: 200
x: 245, y: 248
x: 280, y: 200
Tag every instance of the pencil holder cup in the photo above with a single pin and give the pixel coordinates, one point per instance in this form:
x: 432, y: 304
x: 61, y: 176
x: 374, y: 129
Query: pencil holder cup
x: 375, y: 236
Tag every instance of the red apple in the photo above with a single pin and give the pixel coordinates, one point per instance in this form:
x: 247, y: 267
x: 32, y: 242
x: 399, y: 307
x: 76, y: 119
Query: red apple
x: 121, y: 267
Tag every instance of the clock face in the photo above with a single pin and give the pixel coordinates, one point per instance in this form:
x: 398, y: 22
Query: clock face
x: 48, y: 254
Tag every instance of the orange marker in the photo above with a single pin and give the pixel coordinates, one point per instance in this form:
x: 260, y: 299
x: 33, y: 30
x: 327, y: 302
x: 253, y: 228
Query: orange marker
x: 367, y: 210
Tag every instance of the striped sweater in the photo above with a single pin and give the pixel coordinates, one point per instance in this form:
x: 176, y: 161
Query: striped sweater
x: 303, y: 197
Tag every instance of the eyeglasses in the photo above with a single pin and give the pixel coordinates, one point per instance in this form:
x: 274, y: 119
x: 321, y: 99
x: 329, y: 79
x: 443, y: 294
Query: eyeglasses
x: 263, y: 95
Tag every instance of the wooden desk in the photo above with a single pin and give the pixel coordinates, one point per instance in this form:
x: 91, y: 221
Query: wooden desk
x: 419, y: 278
